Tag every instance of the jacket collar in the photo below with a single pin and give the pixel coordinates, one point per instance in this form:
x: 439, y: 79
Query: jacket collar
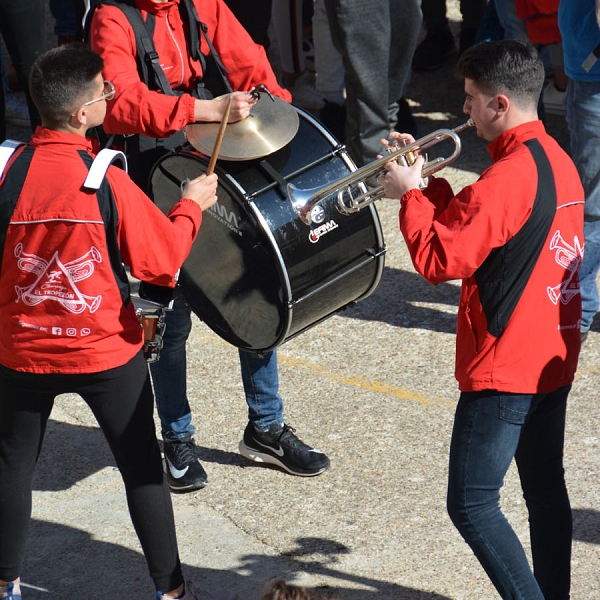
x: 45, y: 137
x: 507, y: 141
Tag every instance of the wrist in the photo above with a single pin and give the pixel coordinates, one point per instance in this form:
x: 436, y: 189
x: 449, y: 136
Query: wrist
x: 206, y: 110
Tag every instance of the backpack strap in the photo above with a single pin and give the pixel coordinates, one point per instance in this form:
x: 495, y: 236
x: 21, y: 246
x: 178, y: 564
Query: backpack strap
x: 504, y: 274
x: 7, y: 149
x: 103, y: 160
x: 108, y: 210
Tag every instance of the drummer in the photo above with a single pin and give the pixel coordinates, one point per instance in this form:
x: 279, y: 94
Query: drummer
x: 155, y: 104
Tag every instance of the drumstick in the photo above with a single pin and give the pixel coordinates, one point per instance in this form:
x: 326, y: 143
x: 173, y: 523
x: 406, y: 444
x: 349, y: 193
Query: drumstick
x: 215, y: 152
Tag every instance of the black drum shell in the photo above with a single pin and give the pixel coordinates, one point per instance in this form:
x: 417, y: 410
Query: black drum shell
x: 257, y: 274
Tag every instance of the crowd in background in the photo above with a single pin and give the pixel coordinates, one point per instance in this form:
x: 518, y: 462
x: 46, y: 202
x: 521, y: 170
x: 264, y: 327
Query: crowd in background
x: 348, y: 62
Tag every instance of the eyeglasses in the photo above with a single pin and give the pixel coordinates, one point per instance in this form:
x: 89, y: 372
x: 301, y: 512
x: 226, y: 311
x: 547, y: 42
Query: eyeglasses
x: 108, y: 94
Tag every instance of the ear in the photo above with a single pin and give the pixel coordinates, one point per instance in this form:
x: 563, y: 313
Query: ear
x: 79, y: 118
x: 503, y: 103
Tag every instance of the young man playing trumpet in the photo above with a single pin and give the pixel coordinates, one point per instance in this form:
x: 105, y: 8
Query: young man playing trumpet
x: 515, y: 238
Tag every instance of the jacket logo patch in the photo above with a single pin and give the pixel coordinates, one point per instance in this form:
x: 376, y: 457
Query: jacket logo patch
x: 57, y: 281
x: 569, y: 257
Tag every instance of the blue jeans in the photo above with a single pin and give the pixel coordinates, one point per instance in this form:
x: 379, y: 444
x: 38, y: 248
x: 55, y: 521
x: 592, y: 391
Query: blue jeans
x: 490, y: 428
x: 583, y: 118
x: 514, y: 28
x: 259, y: 376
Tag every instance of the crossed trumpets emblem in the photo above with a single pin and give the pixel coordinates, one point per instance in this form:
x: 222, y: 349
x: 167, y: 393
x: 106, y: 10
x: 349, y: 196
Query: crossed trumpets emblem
x: 570, y: 258
x: 57, y: 280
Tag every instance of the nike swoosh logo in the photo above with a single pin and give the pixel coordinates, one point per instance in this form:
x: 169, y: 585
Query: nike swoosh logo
x: 177, y: 474
x: 279, y: 451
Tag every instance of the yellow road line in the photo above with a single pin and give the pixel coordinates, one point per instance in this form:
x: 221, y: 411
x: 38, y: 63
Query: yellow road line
x: 361, y: 382
x: 356, y: 381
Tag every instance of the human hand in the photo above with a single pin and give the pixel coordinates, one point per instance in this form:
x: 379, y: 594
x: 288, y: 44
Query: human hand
x: 213, y: 111
x: 241, y: 105
x: 202, y: 190
x: 399, y: 140
x: 399, y: 179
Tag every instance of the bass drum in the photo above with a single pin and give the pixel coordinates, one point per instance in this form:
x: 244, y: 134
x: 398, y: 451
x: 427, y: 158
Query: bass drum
x: 257, y: 275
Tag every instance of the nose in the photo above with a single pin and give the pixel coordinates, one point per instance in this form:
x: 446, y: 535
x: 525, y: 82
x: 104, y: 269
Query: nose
x: 467, y: 107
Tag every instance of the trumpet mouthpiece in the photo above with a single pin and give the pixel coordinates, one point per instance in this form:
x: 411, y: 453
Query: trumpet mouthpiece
x: 469, y: 123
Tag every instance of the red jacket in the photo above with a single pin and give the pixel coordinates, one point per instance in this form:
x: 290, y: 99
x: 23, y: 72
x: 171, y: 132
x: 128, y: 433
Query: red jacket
x: 60, y: 306
x: 450, y: 237
x: 541, y: 20
x: 136, y: 109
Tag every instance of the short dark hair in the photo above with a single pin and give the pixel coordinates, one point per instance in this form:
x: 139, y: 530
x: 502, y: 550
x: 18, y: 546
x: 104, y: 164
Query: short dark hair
x: 61, y: 79
x: 506, y: 67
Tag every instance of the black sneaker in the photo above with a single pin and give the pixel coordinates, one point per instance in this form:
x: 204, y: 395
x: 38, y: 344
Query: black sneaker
x: 184, y: 471
x: 279, y: 446
x: 434, y: 50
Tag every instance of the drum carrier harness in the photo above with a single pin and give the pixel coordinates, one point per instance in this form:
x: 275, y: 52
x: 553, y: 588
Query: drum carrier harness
x: 143, y: 151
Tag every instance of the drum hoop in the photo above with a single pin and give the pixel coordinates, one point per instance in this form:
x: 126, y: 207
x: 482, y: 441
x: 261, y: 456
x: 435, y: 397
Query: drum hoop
x: 281, y: 267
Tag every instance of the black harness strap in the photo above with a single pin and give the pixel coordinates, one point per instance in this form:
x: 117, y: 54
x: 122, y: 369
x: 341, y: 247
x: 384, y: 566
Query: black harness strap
x: 148, y: 60
x: 143, y: 151
x: 502, y: 277
x: 11, y: 190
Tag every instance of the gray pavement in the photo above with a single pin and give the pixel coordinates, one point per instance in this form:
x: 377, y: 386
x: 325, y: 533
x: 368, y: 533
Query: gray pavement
x: 372, y: 387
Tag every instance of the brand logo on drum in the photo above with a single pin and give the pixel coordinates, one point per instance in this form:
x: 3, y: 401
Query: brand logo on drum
x: 317, y: 214
x: 315, y: 234
x: 229, y: 219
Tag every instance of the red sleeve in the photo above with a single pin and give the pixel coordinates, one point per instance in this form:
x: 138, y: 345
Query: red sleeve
x: 152, y: 245
x: 454, y: 242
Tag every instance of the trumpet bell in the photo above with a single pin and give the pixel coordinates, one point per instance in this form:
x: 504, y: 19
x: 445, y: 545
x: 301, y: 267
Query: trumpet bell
x: 305, y: 200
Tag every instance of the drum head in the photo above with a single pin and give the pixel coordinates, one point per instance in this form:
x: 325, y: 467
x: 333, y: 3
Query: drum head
x: 229, y: 278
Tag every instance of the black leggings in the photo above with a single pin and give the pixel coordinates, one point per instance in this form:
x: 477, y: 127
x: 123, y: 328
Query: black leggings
x: 122, y: 402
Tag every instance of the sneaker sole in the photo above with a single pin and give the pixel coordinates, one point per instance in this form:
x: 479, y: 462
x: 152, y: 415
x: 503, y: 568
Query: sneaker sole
x: 186, y: 488
x: 261, y: 457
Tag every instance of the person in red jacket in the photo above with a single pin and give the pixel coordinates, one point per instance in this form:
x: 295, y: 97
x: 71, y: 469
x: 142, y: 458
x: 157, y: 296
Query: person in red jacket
x: 152, y: 111
x: 68, y: 322
x: 515, y: 238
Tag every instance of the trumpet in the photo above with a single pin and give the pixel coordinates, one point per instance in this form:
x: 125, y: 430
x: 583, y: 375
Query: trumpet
x: 305, y: 200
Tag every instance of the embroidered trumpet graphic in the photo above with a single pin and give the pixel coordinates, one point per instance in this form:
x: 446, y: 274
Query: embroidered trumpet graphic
x: 57, y: 280
x: 570, y: 258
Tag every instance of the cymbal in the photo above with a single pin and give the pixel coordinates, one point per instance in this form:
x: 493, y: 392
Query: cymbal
x: 272, y: 124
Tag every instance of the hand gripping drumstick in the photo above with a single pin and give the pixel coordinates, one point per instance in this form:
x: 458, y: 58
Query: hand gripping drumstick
x: 220, y: 134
